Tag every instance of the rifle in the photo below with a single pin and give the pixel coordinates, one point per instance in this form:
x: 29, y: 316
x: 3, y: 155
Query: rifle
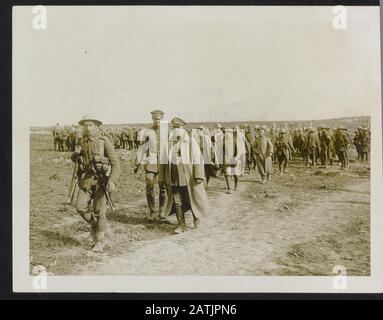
x: 73, y: 184
x: 103, y: 181
x: 102, y: 177
x: 109, y: 199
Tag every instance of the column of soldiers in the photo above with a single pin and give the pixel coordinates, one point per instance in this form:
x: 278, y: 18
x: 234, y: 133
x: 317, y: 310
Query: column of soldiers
x: 65, y: 138
x: 180, y: 172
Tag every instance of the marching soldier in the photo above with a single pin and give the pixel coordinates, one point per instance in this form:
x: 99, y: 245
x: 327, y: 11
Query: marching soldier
x: 60, y: 137
x: 263, y: 150
x: 233, y: 156
x: 365, y: 144
x: 324, y: 140
x: 55, y: 132
x: 131, y: 134
x: 183, y: 177
x: 282, y: 147
x: 273, y: 135
x: 297, y: 139
x: 290, y: 139
x: 151, y: 166
x: 249, y: 140
x: 341, y: 143
x: 312, y: 147
x: 217, y: 140
x: 331, y: 154
x: 357, y: 140
x: 349, y: 142
x: 204, y: 140
x: 125, y: 138
x: 98, y: 172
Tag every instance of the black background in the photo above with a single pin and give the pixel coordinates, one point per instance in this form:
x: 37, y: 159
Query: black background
x: 142, y: 299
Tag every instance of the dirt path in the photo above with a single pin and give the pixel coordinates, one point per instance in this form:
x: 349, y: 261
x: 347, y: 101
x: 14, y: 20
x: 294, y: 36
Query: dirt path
x: 260, y: 231
x: 303, y: 223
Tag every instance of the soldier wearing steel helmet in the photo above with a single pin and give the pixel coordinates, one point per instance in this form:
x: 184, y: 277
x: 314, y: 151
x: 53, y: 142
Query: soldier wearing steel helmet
x: 95, y: 154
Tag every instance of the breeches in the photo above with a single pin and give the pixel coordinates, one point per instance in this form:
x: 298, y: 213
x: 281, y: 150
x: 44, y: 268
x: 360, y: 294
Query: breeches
x: 150, y: 182
x: 94, y: 214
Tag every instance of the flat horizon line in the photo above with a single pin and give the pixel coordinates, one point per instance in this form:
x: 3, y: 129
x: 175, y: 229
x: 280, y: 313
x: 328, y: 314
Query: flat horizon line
x: 237, y: 121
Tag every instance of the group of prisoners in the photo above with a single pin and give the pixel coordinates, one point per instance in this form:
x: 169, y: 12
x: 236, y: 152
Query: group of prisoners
x: 321, y: 145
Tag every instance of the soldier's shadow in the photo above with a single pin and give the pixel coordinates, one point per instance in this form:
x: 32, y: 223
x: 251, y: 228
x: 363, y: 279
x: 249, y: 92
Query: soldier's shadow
x: 136, y: 218
x: 57, y: 236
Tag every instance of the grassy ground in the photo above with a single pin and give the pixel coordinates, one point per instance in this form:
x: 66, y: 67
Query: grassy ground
x: 302, y: 223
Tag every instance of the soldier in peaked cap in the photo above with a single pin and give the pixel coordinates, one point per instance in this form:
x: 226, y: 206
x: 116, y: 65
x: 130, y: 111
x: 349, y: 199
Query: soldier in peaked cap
x: 183, y: 177
x: 98, y: 172
x: 149, y: 155
x: 157, y: 115
x: 177, y: 122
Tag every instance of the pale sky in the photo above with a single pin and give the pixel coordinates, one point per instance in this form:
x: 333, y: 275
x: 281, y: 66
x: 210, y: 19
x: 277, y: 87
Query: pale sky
x: 197, y: 63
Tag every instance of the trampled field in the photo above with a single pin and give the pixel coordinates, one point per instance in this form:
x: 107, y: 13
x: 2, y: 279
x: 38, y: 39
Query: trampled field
x: 302, y: 223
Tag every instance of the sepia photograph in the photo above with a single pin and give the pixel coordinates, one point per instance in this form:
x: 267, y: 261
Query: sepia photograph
x: 224, y: 144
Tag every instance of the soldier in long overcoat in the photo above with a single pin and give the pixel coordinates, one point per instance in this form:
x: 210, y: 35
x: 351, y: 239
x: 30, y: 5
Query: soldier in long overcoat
x: 183, y: 177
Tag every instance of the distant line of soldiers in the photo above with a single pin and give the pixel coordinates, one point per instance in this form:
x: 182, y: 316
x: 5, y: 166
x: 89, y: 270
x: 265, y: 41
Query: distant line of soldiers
x: 183, y: 175
x: 65, y: 138
x: 128, y: 138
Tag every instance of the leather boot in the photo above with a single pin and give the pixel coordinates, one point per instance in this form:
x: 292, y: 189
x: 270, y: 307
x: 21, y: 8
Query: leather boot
x: 99, y: 246
x: 181, y: 220
x: 92, y: 236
